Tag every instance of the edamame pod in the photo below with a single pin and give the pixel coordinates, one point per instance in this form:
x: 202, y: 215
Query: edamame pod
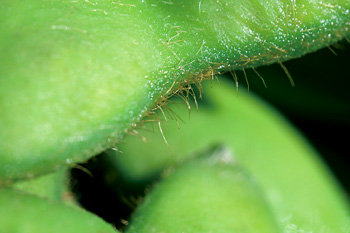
x: 205, y: 195
x: 301, y: 192
x: 23, y: 213
x: 76, y: 75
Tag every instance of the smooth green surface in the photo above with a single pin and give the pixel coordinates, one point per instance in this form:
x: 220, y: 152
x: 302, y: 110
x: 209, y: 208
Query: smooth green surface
x: 23, y: 213
x: 51, y: 186
x: 299, y: 189
x: 205, y: 196
x: 76, y: 75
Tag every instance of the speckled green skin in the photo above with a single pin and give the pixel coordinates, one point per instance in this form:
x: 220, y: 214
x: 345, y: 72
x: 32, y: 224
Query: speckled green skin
x: 76, y: 75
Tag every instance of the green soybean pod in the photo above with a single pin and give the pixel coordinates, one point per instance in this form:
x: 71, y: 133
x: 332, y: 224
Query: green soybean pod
x: 299, y: 189
x: 76, y: 75
x: 24, y: 213
x: 205, y: 195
